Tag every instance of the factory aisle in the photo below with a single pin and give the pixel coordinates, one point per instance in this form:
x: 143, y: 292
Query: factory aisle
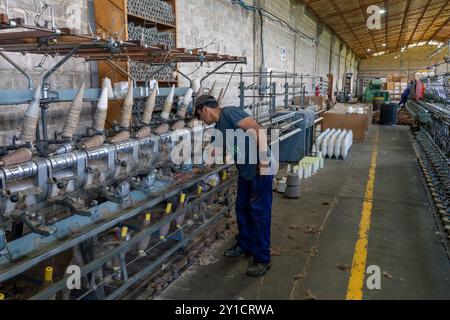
x: 314, y: 237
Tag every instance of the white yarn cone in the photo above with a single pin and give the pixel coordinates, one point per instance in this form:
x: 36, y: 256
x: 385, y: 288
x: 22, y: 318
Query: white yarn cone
x: 185, y: 104
x: 127, y: 108
x: 196, y: 85
x: 165, y: 114
x: 31, y: 118
x: 150, y: 107
x: 73, y: 118
x: 108, y: 84
x: 102, y: 110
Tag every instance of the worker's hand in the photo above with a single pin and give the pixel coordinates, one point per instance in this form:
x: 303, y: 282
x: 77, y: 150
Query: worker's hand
x: 264, y: 169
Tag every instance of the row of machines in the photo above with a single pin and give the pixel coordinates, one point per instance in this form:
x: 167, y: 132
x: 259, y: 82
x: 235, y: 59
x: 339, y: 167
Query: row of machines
x: 432, y: 143
x: 112, y: 202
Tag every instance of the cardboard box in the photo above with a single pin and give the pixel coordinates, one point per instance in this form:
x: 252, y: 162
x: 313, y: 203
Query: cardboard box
x: 320, y: 102
x: 337, y: 118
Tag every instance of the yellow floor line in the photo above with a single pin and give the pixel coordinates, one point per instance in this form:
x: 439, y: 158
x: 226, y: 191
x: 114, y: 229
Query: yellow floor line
x: 356, y: 282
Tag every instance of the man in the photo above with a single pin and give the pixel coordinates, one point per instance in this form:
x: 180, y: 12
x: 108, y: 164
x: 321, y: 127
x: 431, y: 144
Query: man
x: 405, y: 96
x: 254, y: 195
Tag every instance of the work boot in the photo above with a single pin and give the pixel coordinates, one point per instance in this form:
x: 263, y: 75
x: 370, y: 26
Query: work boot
x: 258, y: 269
x: 235, y: 252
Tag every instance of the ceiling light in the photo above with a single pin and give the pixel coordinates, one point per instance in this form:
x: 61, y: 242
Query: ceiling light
x: 382, y: 11
x: 368, y: 50
x: 384, y: 44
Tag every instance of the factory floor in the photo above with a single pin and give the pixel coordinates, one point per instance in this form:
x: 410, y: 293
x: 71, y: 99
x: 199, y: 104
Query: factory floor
x: 314, y: 238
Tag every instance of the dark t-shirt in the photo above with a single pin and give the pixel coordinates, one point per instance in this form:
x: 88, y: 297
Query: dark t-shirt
x: 229, y: 119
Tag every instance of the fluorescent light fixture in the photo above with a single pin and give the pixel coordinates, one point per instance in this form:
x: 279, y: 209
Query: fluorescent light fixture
x: 382, y: 11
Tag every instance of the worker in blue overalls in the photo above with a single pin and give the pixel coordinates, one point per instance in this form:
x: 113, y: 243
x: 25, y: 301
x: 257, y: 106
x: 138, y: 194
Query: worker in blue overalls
x: 405, y: 96
x: 254, y: 194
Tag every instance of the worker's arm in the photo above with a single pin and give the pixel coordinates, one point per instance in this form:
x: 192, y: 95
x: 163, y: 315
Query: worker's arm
x: 260, y: 135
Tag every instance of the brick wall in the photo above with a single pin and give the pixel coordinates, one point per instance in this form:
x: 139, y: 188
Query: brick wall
x: 235, y: 30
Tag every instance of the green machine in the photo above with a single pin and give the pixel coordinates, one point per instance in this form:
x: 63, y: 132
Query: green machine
x: 374, y: 90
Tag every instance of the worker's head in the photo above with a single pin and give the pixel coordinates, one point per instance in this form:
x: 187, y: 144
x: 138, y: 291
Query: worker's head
x: 207, y: 109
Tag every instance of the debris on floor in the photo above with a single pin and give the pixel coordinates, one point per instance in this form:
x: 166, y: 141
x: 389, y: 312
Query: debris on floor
x: 310, y: 296
x: 343, y: 266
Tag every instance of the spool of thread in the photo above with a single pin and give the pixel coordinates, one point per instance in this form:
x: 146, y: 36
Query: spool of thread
x: 143, y: 244
x: 165, y: 229
x: 121, y: 137
x: 18, y: 156
x: 196, y: 85
x: 31, y: 118
x: 165, y: 114
x: 150, y: 107
x: 73, y: 118
x: 48, y: 274
x: 124, y: 233
x: 185, y: 105
x: 108, y: 85
x: 199, y: 190
x: 169, y: 208
x: 224, y: 176
x: 102, y: 111
x: 180, y: 219
x: 143, y: 132
x: 93, y: 142
x: 127, y: 109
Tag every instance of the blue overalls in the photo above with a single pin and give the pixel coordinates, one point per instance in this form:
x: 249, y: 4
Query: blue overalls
x: 254, y: 196
x: 254, y: 216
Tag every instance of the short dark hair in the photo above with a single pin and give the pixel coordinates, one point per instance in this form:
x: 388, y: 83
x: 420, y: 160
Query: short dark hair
x: 205, y: 101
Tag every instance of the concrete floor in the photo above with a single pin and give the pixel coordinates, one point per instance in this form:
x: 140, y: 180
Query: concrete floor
x: 314, y: 237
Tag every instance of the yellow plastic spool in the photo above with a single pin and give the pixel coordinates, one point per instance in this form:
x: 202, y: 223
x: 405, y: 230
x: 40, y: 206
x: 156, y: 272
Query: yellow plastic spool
x: 224, y: 176
x: 124, y: 232
x: 48, y: 274
x: 212, y: 182
x: 182, y: 198
x: 199, y: 190
x: 162, y: 238
x: 168, y: 208
x: 2, y: 296
x: 148, y: 217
